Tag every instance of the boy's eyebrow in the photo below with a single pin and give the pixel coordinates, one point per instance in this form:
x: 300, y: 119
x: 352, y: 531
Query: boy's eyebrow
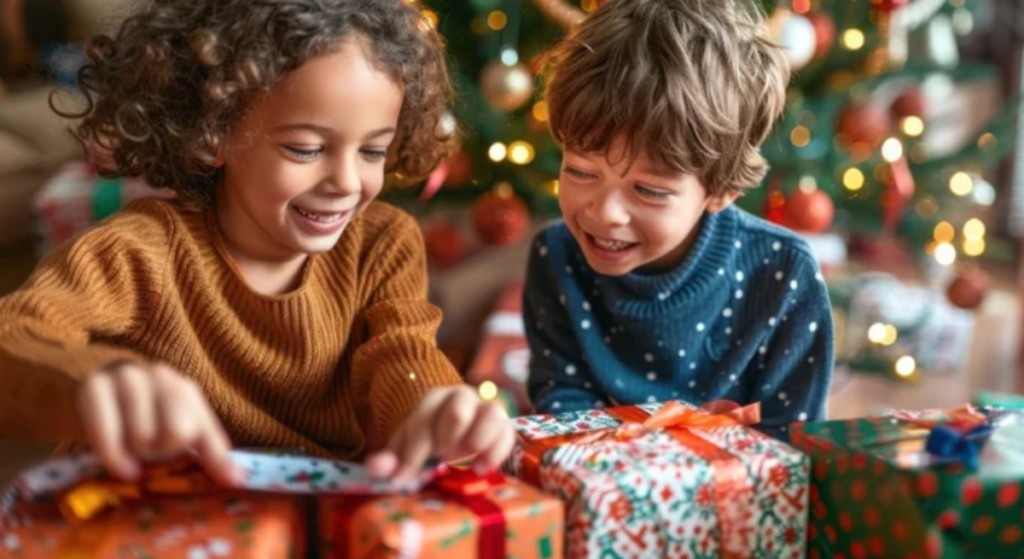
x: 325, y: 131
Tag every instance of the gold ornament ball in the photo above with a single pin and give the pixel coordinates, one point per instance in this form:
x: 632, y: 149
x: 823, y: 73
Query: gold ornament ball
x: 506, y: 87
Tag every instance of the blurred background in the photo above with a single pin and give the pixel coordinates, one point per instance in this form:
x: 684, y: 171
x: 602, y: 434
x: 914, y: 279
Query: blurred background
x: 899, y: 158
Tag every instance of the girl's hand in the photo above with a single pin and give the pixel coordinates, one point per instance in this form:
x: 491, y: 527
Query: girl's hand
x: 450, y: 423
x: 132, y: 412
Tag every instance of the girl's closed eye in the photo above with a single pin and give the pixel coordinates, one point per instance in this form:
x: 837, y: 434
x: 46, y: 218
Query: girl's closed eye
x: 374, y: 155
x: 302, y: 153
x: 578, y: 174
x: 647, y: 192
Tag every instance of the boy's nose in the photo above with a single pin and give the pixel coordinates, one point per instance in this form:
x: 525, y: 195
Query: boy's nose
x: 608, y: 210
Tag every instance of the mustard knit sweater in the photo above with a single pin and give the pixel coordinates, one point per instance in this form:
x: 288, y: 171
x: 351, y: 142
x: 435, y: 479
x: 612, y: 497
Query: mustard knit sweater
x: 333, y: 367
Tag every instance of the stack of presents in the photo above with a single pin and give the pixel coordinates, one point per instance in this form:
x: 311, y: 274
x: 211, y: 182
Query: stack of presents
x: 655, y: 480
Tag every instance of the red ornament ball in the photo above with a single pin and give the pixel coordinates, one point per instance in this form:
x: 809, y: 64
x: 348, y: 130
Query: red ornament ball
x: 824, y: 33
x: 910, y: 102
x: 809, y: 211
x: 500, y: 217
x: 969, y: 288
x: 862, y: 122
x: 445, y: 244
x: 889, y: 5
x: 460, y: 169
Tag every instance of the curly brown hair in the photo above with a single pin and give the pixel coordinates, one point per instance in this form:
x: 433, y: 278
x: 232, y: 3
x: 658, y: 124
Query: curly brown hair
x: 694, y: 85
x: 162, y: 96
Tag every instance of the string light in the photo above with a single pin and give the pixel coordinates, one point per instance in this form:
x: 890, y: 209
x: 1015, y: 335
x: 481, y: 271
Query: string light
x: 926, y: 207
x: 974, y: 229
x: 891, y: 335
x: 945, y: 254
x: 509, y: 57
x: 853, y: 39
x: 987, y: 141
x: 974, y: 247
x: 540, y: 111
x: 892, y: 150
x: 961, y: 184
x: 853, y: 179
x: 801, y: 136
x: 906, y: 366
x: 497, y: 20
x: 520, y: 153
x: 488, y: 390
x: 912, y: 126
x: 552, y: 187
x: 944, y: 232
x: 876, y: 333
x: 497, y: 152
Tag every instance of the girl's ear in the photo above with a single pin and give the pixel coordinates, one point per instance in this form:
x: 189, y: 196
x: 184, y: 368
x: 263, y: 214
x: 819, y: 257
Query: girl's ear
x: 720, y: 202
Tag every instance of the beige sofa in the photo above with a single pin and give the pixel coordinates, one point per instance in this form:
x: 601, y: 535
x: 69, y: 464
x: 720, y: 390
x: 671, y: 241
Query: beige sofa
x: 34, y: 141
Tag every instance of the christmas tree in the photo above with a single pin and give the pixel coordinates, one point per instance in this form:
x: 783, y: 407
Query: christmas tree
x: 850, y: 154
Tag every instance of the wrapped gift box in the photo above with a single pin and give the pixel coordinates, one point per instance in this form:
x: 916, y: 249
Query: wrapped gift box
x: 493, y: 517
x: 76, y: 198
x: 667, y: 481
x: 288, y: 505
x: 920, y: 485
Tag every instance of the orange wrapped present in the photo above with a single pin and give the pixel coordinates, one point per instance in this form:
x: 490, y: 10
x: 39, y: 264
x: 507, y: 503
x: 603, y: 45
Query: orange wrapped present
x: 460, y: 516
x: 244, y: 526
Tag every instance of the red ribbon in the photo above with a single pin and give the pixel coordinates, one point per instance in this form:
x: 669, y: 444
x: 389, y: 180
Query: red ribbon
x: 732, y: 488
x: 459, y: 486
x: 465, y: 488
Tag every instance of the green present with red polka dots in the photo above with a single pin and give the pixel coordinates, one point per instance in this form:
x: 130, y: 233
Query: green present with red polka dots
x: 877, y: 492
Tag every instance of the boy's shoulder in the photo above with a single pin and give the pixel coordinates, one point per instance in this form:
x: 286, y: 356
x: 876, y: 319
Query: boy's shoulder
x: 555, y: 241
x: 770, y: 239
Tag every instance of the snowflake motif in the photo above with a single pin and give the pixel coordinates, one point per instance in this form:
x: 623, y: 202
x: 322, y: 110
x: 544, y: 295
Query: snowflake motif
x: 607, y: 340
x: 732, y: 378
x: 739, y: 244
x: 802, y: 416
x: 543, y: 250
x: 762, y: 350
x: 682, y: 353
x: 772, y: 321
x: 793, y: 285
x: 585, y: 324
x: 693, y: 384
x: 721, y: 271
x: 727, y: 313
x: 779, y: 275
x: 782, y: 395
x: 739, y: 293
x: 652, y: 376
x: 766, y: 261
x: 547, y: 352
x: 700, y: 326
x: 649, y: 358
x: 568, y: 270
x: 776, y: 246
x: 570, y: 369
x: 810, y: 359
x: 693, y: 366
x: 728, y: 331
x: 586, y: 305
x: 739, y: 276
x: 813, y: 327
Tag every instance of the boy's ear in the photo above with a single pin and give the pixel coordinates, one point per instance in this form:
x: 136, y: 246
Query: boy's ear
x: 722, y: 201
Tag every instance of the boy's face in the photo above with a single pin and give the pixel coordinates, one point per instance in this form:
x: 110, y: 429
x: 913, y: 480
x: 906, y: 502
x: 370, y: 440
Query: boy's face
x: 632, y: 218
x: 309, y: 156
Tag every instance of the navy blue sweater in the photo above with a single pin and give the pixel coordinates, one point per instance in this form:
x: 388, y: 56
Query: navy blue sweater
x: 745, y: 317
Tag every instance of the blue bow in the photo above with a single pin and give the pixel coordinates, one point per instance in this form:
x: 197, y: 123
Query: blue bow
x: 958, y: 446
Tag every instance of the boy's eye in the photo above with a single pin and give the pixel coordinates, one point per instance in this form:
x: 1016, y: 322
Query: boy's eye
x: 301, y: 153
x: 650, y: 193
x: 374, y: 155
x: 578, y: 174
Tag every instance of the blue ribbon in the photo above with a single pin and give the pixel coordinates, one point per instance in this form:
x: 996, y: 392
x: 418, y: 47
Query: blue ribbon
x: 958, y: 446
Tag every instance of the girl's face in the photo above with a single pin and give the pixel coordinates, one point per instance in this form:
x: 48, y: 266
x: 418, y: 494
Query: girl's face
x: 308, y: 156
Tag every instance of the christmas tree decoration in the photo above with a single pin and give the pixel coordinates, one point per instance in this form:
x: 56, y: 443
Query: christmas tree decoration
x: 824, y: 33
x: 445, y: 243
x: 808, y: 209
x: 446, y: 127
x: 506, y: 87
x: 969, y: 288
x: 796, y: 35
x: 899, y: 190
x: 888, y: 6
x: 910, y: 102
x: 460, y: 169
x: 561, y: 12
x: 863, y: 123
x: 500, y: 217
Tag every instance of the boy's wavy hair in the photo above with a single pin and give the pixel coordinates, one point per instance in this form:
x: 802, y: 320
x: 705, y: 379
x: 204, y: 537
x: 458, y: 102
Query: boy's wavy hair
x: 693, y: 84
x: 162, y: 96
